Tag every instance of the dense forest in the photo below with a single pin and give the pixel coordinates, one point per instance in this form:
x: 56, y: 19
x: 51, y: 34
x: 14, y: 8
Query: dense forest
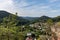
x: 14, y: 27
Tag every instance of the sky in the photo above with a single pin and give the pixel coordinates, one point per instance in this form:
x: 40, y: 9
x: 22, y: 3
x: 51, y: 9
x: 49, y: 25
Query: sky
x: 32, y: 8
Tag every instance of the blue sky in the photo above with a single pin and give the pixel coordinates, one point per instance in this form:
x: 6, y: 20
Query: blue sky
x: 32, y: 8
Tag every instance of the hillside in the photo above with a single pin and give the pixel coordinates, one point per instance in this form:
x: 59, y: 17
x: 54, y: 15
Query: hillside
x: 4, y: 14
x: 31, y: 18
x: 28, y: 20
x: 45, y: 18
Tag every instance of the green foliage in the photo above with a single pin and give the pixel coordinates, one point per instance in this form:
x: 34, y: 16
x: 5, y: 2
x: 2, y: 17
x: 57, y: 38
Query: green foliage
x: 9, y: 30
x: 10, y: 21
x: 50, y: 22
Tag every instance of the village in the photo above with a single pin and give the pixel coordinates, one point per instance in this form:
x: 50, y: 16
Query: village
x: 55, y: 31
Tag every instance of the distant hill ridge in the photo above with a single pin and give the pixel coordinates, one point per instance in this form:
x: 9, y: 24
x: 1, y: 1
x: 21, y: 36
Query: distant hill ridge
x: 28, y: 20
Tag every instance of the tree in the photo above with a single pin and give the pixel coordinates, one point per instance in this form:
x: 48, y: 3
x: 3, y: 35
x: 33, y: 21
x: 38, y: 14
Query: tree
x: 9, y: 24
x: 10, y: 21
x: 50, y: 22
x: 48, y: 27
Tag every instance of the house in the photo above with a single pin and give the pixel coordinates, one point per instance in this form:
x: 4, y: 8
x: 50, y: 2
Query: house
x: 30, y: 36
x: 36, y: 25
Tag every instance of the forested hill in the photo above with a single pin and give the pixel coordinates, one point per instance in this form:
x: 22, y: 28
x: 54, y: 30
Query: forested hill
x: 4, y: 14
x: 31, y: 18
x: 28, y: 20
x: 45, y: 19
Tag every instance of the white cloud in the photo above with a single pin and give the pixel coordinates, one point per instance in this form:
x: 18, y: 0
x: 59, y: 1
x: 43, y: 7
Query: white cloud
x: 34, y: 10
x: 51, y: 1
x: 11, y: 6
x: 37, y: 10
x: 21, y: 3
x: 7, y: 5
x: 56, y: 10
